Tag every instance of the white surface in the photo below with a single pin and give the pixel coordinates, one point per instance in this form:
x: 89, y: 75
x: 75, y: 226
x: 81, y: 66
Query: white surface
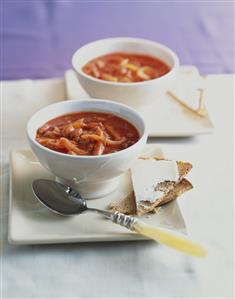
x: 134, y: 269
x: 147, y: 174
x: 87, y: 173
x: 133, y: 94
x: 22, y: 98
x: 32, y: 223
x: 164, y: 116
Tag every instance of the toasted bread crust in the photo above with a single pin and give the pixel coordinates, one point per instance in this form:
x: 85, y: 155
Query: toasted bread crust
x: 183, y: 168
x: 127, y: 205
x: 179, y: 188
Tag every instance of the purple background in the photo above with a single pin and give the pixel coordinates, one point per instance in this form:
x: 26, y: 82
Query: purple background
x: 38, y: 37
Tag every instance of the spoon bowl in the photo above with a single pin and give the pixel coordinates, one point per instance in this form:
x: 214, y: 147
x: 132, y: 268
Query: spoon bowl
x: 59, y: 198
x: 62, y: 199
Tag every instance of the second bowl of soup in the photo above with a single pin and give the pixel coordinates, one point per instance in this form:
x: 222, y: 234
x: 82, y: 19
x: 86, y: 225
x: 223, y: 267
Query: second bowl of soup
x: 87, y: 144
x: 129, y: 70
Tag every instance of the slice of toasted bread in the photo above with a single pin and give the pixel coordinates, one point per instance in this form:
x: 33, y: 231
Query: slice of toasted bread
x: 126, y: 205
x: 183, y: 167
x: 172, y: 190
x: 179, y: 188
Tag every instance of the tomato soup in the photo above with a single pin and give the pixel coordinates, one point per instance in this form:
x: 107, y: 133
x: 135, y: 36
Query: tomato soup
x: 87, y: 133
x: 126, y: 67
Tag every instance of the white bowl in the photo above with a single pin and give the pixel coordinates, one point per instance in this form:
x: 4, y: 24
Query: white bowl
x: 92, y: 176
x: 132, y: 94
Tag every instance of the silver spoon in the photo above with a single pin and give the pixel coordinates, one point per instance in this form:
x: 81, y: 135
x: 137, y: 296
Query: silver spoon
x: 66, y: 201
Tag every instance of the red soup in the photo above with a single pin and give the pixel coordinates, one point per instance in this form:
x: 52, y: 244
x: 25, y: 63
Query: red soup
x: 126, y: 67
x: 87, y: 133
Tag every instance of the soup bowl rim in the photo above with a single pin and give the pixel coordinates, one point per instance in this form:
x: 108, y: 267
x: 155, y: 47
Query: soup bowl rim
x: 145, y: 42
x: 84, y: 157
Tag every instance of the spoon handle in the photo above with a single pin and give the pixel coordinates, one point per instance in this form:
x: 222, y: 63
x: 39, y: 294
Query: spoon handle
x: 163, y: 236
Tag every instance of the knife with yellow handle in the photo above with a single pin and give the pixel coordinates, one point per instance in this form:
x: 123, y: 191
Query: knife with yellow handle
x: 163, y: 236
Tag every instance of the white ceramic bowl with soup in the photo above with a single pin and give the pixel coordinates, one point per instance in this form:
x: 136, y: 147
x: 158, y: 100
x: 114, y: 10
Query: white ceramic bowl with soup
x: 92, y: 175
x: 131, y: 93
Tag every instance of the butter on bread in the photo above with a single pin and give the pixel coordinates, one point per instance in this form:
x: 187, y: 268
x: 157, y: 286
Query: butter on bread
x: 169, y: 190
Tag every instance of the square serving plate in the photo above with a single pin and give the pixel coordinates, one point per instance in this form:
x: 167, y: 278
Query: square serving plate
x: 164, y: 117
x: 31, y: 223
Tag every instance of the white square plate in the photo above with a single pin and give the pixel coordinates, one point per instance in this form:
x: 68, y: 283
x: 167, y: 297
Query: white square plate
x: 164, y: 117
x: 32, y: 223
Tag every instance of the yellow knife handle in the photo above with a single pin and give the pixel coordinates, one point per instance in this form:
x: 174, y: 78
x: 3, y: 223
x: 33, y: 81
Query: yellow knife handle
x: 170, y: 238
x: 163, y: 236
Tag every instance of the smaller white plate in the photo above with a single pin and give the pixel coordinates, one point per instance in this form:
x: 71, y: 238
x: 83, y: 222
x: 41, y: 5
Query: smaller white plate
x: 31, y: 223
x: 164, y: 117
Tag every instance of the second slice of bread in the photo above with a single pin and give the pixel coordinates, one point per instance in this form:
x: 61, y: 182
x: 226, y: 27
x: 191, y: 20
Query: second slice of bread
x: 172, y: 190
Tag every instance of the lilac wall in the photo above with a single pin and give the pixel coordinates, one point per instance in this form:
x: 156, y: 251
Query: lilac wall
x: 39, y: 37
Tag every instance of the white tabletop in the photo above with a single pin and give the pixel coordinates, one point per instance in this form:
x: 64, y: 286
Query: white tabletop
x: 130, y: 269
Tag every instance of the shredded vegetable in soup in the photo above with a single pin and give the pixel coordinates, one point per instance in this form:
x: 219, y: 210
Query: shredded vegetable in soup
x: 87, y: 133
x: 126, y: 67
